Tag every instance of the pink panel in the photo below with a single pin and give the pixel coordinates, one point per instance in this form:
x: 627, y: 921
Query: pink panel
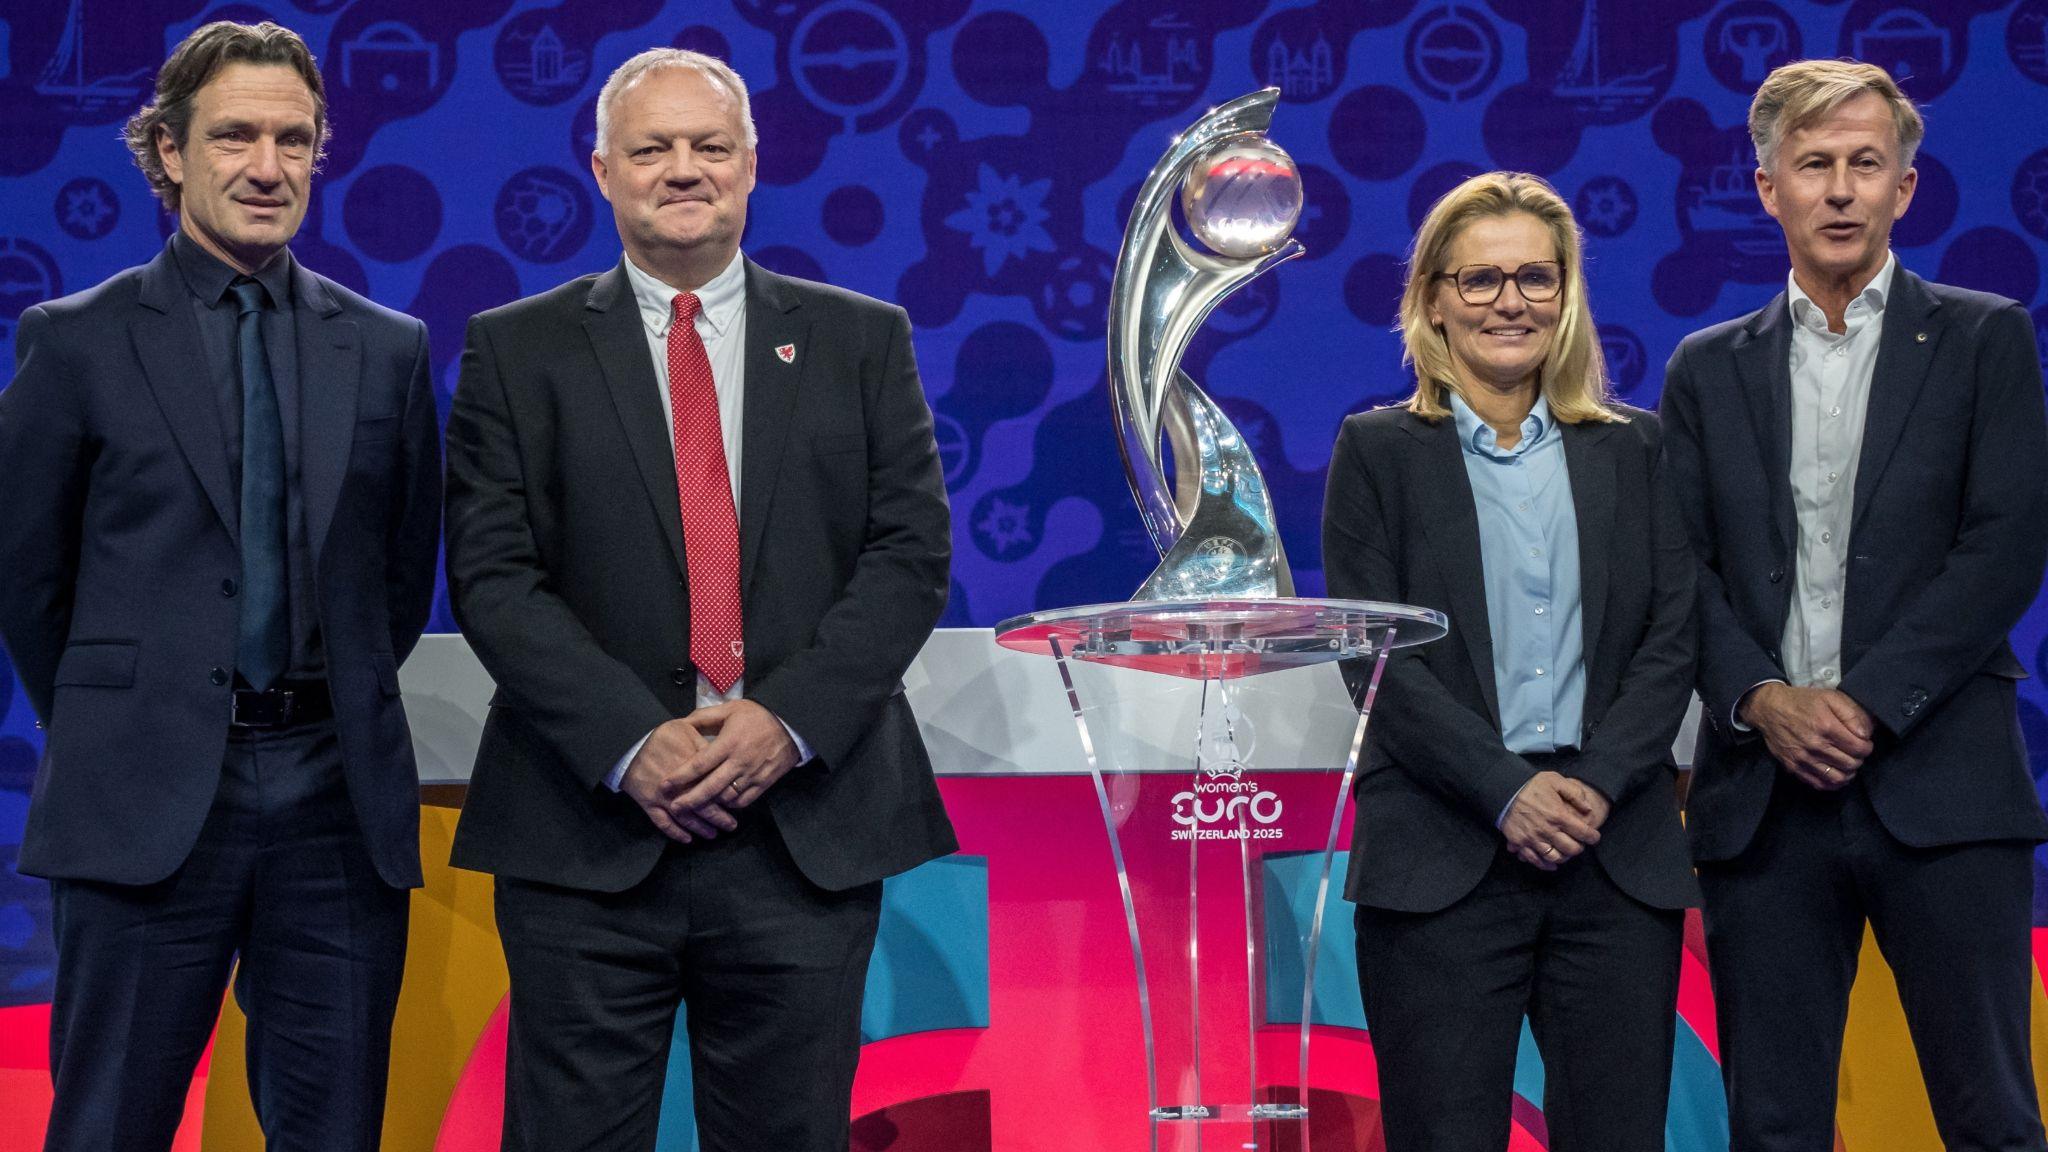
x: 476, y: 1109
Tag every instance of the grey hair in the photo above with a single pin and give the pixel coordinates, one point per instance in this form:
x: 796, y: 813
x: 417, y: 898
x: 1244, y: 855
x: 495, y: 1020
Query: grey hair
x: 1796, y: 95
x: 633, y: 71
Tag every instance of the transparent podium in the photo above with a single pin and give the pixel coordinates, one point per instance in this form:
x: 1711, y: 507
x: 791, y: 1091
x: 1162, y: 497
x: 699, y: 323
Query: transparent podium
x: 1224, y: 777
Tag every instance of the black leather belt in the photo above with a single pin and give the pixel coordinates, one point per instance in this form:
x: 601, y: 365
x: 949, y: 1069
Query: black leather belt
x: 290, y: 702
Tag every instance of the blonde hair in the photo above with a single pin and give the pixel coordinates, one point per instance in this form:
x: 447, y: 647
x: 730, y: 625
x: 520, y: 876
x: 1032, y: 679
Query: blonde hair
x: 1797, y: 94
x: 1573, y: 377
x: 717, y: 71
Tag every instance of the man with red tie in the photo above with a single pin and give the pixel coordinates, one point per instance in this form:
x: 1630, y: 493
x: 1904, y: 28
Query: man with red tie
x: 697, y: 530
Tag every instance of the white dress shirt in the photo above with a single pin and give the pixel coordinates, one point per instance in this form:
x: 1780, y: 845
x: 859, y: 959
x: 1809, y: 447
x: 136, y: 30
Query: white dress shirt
x: 721, y: 322
x: 1831, y: 376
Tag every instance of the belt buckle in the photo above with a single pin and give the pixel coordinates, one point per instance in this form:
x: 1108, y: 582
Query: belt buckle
x: 269, y: 708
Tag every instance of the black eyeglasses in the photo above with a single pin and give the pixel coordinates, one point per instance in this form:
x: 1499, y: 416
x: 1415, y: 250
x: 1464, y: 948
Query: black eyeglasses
x: 1537, y: 281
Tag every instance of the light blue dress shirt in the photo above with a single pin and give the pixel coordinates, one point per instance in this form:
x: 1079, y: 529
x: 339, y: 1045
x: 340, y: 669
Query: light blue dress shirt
x: 1529, y: 550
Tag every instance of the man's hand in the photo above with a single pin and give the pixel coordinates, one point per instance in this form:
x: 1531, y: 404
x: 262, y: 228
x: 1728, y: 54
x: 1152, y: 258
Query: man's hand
x: 1820, y: 735
x: 667, y: 750
x: 1549, y: 821
x: 749, y: 750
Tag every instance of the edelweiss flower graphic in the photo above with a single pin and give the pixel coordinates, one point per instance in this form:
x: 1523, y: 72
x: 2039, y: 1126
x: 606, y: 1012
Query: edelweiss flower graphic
x: 1004, y: 217
x: 86, y: 210
x: 1005, y: 527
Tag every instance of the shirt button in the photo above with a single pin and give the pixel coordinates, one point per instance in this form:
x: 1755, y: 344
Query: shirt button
x: 1539, y: 671
x: 1834, y: 476
x: 1539, y: 609
x: 1543, y: 727
x: 1535, y: 551
x: 1835, y: 411
x: 1522, y: 507
x: 1827, y: 602
x: 1827, y: 537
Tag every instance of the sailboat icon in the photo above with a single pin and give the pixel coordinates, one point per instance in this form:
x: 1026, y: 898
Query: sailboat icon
x: 64, y: 76
x: 1582, y: 81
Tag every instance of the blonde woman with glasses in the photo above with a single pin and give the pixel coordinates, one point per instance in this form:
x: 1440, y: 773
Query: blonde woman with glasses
x: 1517, y: 850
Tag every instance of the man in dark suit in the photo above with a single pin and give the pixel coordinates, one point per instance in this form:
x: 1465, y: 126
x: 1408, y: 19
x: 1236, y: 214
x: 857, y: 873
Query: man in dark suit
x: 223, y: 489
x: 1864, y: 464
x: 696, y: 531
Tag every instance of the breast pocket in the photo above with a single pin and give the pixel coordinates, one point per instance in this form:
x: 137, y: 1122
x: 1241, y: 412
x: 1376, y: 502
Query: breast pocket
x: 376, y: 429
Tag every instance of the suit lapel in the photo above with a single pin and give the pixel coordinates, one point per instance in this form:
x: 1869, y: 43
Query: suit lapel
x: 330, y: 376
x: 1591, y: 467
x: 775, y: 321
x: 619, y: 341
x: 1764, y: 359
x: 1451, y: 519
x: 167, y: 343
x: 1911, y: 334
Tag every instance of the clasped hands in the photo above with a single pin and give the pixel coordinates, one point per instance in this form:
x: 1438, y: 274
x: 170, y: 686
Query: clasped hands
x: 1554, y: 818
x: 694, y: 772
x: 1820, y: 735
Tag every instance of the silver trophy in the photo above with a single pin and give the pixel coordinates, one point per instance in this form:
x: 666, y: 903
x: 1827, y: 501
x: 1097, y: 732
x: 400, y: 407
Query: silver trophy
x: 1213, y: 521
x: 1222, y: 845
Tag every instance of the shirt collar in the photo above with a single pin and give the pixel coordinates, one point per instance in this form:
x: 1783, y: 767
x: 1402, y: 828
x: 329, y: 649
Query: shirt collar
x: 207, y: 276
x: 720, y: 298
x: 1869, y: 302
x: 1477, y: 436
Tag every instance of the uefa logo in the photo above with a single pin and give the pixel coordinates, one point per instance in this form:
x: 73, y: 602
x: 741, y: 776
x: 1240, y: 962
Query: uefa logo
x: 1224, y: 769
x: 1220, y: 555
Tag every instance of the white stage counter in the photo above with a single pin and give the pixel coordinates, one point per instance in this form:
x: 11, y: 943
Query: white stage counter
x: 984, y: 711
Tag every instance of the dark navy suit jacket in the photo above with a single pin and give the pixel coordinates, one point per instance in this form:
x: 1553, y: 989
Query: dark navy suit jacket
x: 1949, y: 532
x: 1400, y: 524
x: 119, y: 529
x: 566, y: 571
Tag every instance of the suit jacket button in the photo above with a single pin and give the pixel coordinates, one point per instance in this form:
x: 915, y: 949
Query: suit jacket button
x: 227, y: 587
x: 1777, y: 574
x: 219, y: 676
x: 680, y: 677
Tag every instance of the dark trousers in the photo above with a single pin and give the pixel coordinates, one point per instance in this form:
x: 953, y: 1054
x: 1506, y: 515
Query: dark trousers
x: 1784, y: 925
x: 772, y: 969
x: 1595, y: 972
x: 280, y: 877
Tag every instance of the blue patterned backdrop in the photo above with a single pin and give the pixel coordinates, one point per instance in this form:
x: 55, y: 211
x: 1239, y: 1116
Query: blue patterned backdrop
x: 973, y: 161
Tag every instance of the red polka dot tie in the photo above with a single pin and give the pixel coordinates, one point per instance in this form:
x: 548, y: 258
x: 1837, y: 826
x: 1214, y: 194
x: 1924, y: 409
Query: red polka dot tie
x: 711, y: 535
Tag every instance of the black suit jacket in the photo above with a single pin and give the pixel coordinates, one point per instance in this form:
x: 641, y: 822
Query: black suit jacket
x: 1948, y: 537
x: 1400, y: 524
x: 120, y: 532
x: 565, y: 566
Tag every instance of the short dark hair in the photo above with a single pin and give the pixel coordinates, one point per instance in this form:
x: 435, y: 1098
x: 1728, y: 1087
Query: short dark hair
x: 194, y: 62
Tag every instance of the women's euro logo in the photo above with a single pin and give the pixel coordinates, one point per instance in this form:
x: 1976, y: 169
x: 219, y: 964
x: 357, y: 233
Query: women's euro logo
x: 1226, y: 810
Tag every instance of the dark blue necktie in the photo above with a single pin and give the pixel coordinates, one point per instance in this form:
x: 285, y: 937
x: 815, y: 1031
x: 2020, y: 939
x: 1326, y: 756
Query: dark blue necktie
x: 263, y: 645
